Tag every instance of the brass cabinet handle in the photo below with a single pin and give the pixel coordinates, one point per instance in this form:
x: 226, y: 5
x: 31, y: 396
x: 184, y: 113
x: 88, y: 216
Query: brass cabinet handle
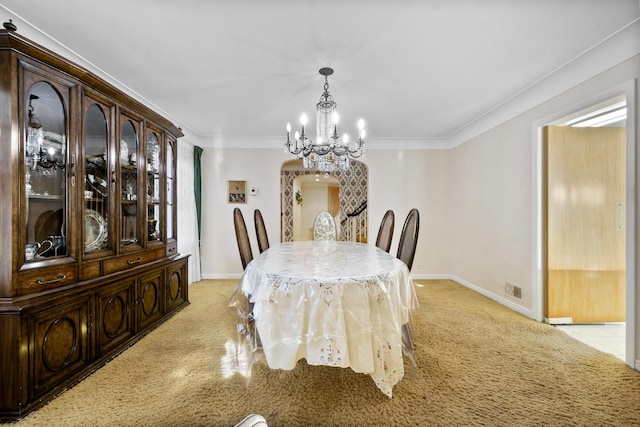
x: 134, y: 261
x: 60, y: 278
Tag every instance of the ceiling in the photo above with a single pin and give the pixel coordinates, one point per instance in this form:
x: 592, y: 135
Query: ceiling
x: 235, y: 69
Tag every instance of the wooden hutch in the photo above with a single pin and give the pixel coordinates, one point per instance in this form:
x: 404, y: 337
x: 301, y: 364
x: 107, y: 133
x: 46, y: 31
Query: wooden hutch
x: 88, y: 224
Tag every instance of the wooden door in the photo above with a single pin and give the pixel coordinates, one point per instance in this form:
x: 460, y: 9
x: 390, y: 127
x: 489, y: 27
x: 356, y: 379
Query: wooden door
x: 585, y: 224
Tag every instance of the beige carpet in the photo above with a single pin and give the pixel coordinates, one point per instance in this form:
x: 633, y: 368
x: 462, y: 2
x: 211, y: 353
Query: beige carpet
x: 478, y: 364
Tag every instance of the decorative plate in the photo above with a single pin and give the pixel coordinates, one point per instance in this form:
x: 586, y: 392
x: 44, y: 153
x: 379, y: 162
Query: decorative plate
x: 98, y: 184
x: 95, y: 231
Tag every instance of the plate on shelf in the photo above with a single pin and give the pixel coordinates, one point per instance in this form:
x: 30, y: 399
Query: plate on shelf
x: 98, y: 184
x: 95, y: 231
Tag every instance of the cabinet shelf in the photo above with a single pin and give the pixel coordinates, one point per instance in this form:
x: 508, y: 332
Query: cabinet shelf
x: 45, y: 197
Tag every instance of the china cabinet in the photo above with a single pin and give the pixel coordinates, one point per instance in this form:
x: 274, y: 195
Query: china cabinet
x: 89, y: 257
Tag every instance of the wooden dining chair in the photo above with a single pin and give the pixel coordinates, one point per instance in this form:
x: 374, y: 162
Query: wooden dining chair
x: 385, y: 233
x: 261, y: 231
x: 324, y: 227
x: 409, y: 238
x: 242, y: 237
x: 406, y: 253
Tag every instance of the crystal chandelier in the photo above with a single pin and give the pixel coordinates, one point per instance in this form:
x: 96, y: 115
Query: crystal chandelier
x: 328, y: 152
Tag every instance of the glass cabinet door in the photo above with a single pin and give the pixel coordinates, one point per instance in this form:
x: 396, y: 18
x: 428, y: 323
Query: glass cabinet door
x: 128, y: 160
x: 98, y: 178
x: 45, y: 168
x: 153, y: 188
x: 170, y: 173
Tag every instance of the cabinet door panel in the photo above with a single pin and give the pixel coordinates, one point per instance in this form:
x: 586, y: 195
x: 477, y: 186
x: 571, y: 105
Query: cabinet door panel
x: 58, y: 344
x: 99, y: 176
x: 176, y: 285
x: 170, y: 173
x: 154, y: 199
x: 114, y: 323
x: 129, y: 149
x: 48, y: 168
x: 150, y: 300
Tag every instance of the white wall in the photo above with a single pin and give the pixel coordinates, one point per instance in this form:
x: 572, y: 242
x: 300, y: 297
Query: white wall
x: 315, y: 200
x: 493, y: 207
x: 402, y: 179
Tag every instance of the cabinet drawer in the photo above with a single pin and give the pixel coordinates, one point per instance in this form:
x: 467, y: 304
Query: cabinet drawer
x: 172, y: 249
x: 47, y: 278
x: 125, y: 262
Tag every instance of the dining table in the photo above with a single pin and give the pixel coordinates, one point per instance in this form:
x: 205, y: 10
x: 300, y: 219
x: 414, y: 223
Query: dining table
x: 335, y: 303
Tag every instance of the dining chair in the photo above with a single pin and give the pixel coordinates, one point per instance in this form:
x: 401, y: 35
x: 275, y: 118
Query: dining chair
x: 409, y: 238
x: 324, y: 227
x: 385, y: 233
x: 406, y: 253
x: 261, y: 231
x: 242, y: 237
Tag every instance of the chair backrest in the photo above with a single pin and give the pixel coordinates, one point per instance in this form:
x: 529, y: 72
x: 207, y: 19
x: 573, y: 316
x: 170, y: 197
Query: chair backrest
x: 385, y: 233
x: 324, y: 227
x: 242, y: 236
x: 261, y: 231
x: 409, y: 238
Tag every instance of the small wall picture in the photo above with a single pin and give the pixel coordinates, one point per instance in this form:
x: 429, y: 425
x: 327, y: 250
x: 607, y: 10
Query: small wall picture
x: 237, y: 192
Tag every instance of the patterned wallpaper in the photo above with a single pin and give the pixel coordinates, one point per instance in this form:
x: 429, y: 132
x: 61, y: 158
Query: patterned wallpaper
x: 354, y: 185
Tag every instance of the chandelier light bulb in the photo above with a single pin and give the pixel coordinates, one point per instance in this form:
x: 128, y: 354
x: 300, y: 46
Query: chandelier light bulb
x: 362, y: 133
x: 335, y: 118
x: 360, y: 124
x: 297, y: 135
x: 303, y: 119
x: 288, y: 127
x: 345, y: 139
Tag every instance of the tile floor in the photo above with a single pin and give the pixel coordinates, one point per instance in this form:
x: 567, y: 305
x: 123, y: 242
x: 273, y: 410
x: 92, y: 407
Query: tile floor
x: 607, y: 337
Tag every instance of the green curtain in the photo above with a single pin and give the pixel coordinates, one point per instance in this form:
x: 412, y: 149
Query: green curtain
x: 197, y: 183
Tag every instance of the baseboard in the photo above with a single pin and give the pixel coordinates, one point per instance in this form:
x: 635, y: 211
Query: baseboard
x: 637, y: 364
x: 559, y: 320
x: 500, y: 300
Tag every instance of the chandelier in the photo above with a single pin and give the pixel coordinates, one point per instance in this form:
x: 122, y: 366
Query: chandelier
x: 328, y: 152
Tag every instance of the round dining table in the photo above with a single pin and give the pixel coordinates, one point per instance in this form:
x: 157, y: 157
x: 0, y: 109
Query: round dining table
x: 334, y: 303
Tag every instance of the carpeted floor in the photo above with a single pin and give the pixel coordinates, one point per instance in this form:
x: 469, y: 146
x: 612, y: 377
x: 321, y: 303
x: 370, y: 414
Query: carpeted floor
x: 479, y: 364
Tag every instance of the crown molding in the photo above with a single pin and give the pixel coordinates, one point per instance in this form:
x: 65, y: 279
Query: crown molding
x: 614, y: 50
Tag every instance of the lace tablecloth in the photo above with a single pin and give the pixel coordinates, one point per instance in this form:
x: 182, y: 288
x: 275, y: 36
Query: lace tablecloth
x: 333, y: 303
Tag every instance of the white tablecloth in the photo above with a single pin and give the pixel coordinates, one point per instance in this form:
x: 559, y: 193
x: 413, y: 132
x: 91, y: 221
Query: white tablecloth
x: 333, y: 303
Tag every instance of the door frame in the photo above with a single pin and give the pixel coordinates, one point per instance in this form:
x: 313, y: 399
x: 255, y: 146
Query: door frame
x: 629, y: 90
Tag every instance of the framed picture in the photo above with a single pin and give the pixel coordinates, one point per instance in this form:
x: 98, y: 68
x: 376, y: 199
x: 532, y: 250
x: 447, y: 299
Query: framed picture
x: 237, y: 192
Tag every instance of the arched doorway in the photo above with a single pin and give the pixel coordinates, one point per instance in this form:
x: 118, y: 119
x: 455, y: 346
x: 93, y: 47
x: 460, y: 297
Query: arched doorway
x: 314, y: 193
x: 353, y: 193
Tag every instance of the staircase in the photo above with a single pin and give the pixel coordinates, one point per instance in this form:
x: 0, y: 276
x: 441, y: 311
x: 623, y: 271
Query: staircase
x: 354, y: 226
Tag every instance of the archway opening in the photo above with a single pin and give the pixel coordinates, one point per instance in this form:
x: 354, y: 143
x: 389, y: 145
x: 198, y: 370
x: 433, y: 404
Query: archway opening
x: 351, y: 187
